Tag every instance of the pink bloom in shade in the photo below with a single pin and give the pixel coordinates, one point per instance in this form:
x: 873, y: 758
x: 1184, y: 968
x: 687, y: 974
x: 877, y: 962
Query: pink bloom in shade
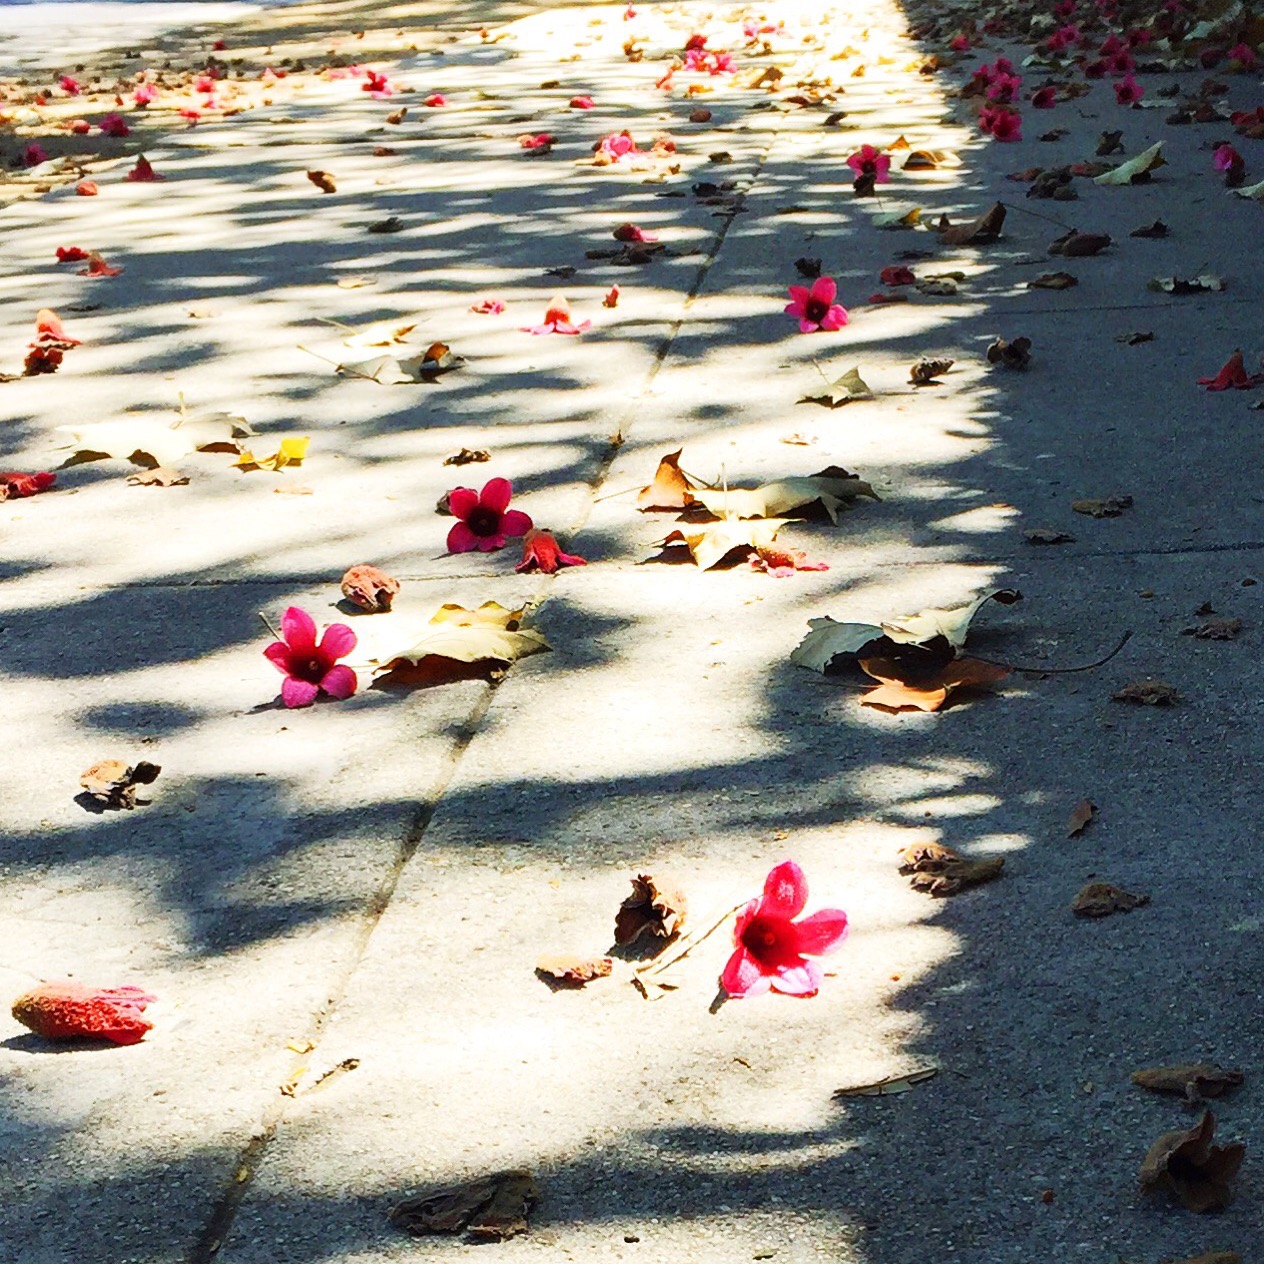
x: 1120, y: 64
x: 959, y: 43
x: 34, y: 154
x: 114, y: 125
x: 1139, y: 36
x: 1003, y: 66
x: 630, y: 232
x: 71, y: 254
x: 311, y: 669
x: 97, y: 267
x: 1244, y: 55
x: 1128, y: 91
x: 435, y: 99
x: 1044, y: 98
x: 377, y: 84
x: 582, y: 103
x: 70, y: 86
x: 781, y: 563
x: 79, y: 127
x: 1064, y: 8
x: 1007, y: 125
x: 772, y: 948
x: 488, y: 307
x: 557, y: 320
x: 816, y: 308
x: 540, y: 552
x: 1111, y: 45
x: 143, y: 172
x: 145, y: 94
x: 1095, y: 70
x: 1223, y: 159
x: 541, y: 143
x: 485, y: 519
x: 1004, y: 88
x: 868, y: 160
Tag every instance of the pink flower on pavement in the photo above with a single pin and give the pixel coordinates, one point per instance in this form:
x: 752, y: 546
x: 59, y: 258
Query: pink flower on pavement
x: 1004, y: 88
x: 540, y: 552
x: 582, y: 103
x: 311, y: 669
x: 34, y: 154
x: 1223, y: 159
x: 781, y: 563
x: 1128, y: 91
x: 204, y: 83
x: 1044, y: 98
x: 143, y: 95
x: 959, y: 43
x: 1244, y: 56
x: 541, y: 143
x: 772, y: 948
x: 630, y: 232
x: 1001, y: 124
x: 87, y: 188
x: 870, y: 161
x: 70, y: 85
x: 1120, y: 63
x: 114, y: 125
x: 78, y: 127
x: 377, y: 84
x: 488, y: 307
x: 71, y: 254
x: 435, y: 100
x: 816, y: 308
x: 557, y: 320
x: 485, y: 519
x: 615, y: 146
x: 143, y: 172
x: 97, y: 267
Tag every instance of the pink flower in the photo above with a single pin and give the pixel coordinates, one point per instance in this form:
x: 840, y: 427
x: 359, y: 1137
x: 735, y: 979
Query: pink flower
x: 1244, y: 55
x: 143, y: 172
x: 87, y: 188
x: 1044, y: 98
x: 695, y: 43
x: 97, y: 267
x: 73, y: 1011
x: 435, y: 99
x: 1095, y: 70
x: 870, y: 161
x: 71, y: 254
x: 146, y: 93
x: 378, y: 85
x: 1120, y: 63
x: 582, y: 103
x: 70, y: 86
x: 1002, y: 125
x: 1223, y: 159
x: 959, y: 43
x: 1111, y: 45
x: 311, y: 669
x: 1004, y: 88
x: 488, y: 307
x: 1002, y: 66
x: 781, y: 563
x: 193, y: 116
x: 1128, y: 91
x: 541, y: 143
x: 113, y: 125
x: 897, y: 274
x: 630, y: 232
x: 1064, y: 8
x: 540, y: 552
x: 204, y: 83
x: 816, y: 308
x: 615, y: 146
x: 485, y: 517
x: 612, y: 297
x: 78, y: 127
x: 33, y: 154
x: 772, y: 948
x: 557, y: 320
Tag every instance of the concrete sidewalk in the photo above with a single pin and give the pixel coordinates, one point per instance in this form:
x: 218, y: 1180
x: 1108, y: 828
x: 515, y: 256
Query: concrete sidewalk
x: 363, y: 888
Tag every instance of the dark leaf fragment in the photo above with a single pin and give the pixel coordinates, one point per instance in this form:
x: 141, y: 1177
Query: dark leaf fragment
x: 1013, y: 355
x: 1187, y: 1165
x: 924, y: 372
x: 940, y: 871
x: 491, y: 1209
x: 654, y: 908
x: 1101, y: 899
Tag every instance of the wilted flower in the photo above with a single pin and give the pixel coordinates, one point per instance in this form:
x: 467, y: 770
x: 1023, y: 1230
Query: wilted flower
x: 540, y: 552
x: 71, y: 1010
x: 435, y: 99
x: 114, y: 125
x: 772, y: 948
x: 488, y: 307
x: 557, y: 320
x: 143, y: 172
x: 1128, y: 91
x: 781, y: 563
x: 311, y: 669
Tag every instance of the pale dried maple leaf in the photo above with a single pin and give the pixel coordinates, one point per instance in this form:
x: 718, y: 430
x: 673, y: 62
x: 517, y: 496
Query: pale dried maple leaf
x: 927, y: 693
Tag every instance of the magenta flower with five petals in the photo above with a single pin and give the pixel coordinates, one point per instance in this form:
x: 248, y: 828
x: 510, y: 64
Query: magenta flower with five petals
x: 772, y: 948
x: 311, y: 669
x: 816, y: 308
x: 870, y: 161
x: 485, y: 517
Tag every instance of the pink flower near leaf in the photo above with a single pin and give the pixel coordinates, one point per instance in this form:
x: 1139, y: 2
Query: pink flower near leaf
x: 1044, y: 98
x: 71, y: 254
x: 1225, y: 158
x: 773, y: 950
x: 1244, y: 55
x: 630, y: 232
x: 1232, y: 376
x: 868, y: 160
x: 557, y: 320
x: 781, y: 563
x: 488, y: 307
x: 815, y: 307
x: 97, y: 267
x: 1005, y: 125
x: 897, y: 274
x: 1128, y: 91
x: 540, y: 552
x: 1004, y: 89
x: 1121, y: 63
x: 146, y: 93
x: 959, y: 43
x: 435, y: 100
x: 582, y: 103
x: 143, y: 172
x: 541, y: 143
x: 70, y: 85
x: 310, y: 668
x: 484, y: 518
x: 33, y: 154
x: 204, y: 83
x: 377, y: 84
x: 612, y: 297
x: 1111, y: 45
x: 615, y: 146
x: 114, y: 125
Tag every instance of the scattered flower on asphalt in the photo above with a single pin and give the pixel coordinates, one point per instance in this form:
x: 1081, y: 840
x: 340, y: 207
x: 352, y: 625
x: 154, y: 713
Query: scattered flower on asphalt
x: 14, y: 485
x: 541, y: 142
x: 1233, y: 376
x: 781, y: 563
x: 581, y: 103
x: 378, y: 85
x: 1225, y: 157
x: 143, y: 172
x: 435, y: 99
x: 612, y: 297
x: 897, y: 274
x: 33, y: 154
x: 557, y: 320
x: 73, y: 1011
x: 310, y: 668
x: 815, y: 307
x: 114, y: 125
x: 87, y: 188
x: 484, y: 519
x: 630, y: 232
x: 97, y: 267
x: 69, y: 85
x: 488, y: 307
x: 1044, y: 98
x: 1128, y: 91
x: 49, y: 329
x: 540, y: 552
x: 78, y: 127
x: 773, y: 950
x: 143, y: 95
x: 615, y: 146
x: 71, y: 254
x: 870, y: 161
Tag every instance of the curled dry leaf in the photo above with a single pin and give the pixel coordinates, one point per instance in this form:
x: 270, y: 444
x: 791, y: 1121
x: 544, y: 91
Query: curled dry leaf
x: 573, y: 971
x: 709, y: 543
x: 468, y: 456
x: 1186, y: 1164
x: 1101, y: 899
x: 115, y: 783
x: 1109, y: 507
x: 369, y: 588
x: 896, y: 692
x: 1077, y: 245
x: 671, y: 488
x: 1136, y: 170
x: 1204, y: 283
x: 1149, y: 693
x: 655, y: 908
x: 930, y: 160
x: 1013, y: 355
x: 489, y: 634
x: 152, y: 442
x: 889, y: 1085
x: 847, y: 389
x: 924, y: 372
x: 833, y: 489
x: 491, y: 1208
x: 1155, y: 230
x: 1053, y: 281
x: 1194, y: 1081
x: 1215, y: 629
x: 940, y: 871
x: 1047, y: 535
x: 987, y: 227
x: 1081, y: 815
x: 1135, y: 339
x: 159, y: 476
x: 952, y: 623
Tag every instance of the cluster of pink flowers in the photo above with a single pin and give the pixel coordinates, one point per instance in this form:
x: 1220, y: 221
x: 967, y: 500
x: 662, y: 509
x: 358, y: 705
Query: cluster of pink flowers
x: 711, y: 63
x: 1000, y: 85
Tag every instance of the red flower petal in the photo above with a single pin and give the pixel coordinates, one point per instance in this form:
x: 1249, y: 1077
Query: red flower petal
x: 496, y: 494
x: 462, y: 501
x: 339, y: 681
x: 298, y: 693
x: 299, y: 630
x: 785, y: 891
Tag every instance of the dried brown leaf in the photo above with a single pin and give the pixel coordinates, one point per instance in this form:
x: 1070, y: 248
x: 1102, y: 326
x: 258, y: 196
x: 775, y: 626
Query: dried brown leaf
x: 671, y: 488
x: 940, y: 871
x: 1053, y: 281
x: 573, y: 971
x: 1110, y: 507
x: 1077, y: 245
x: 1083, y: 812
x: 369, y: 588
x: 656, y: 908
x: 975, y: 232
x: 1047, y: 535
x: 115, y: 784
x: 928, y: 693
x: 1013, y: 355
x: 1193, y: 1081
x: 491, y: 1208
x: 889, y: 1085
x: 1217, y: 629
x: 323, y: 181
x: 159, y: 476
x: 1186, y: 1164
x: 468, y: 456
x: 1101, y: 899
x: 924, y: 372
x: 1149, y: 693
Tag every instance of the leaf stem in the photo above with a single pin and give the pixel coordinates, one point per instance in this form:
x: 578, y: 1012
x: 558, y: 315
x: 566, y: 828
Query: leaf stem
x: 657, y: 967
